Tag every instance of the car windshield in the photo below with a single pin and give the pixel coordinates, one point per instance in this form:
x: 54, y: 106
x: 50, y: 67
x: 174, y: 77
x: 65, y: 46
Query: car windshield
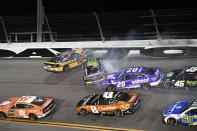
x: 92, y: 69
x: 121, y: 74
x: 39, y: 101
x: 59, y: 58
x: 56, y: 59
x: 186, y: 107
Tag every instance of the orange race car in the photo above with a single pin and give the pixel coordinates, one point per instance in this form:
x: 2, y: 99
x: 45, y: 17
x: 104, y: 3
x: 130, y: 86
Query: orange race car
x: 32, y: 107
x: 115, y: 102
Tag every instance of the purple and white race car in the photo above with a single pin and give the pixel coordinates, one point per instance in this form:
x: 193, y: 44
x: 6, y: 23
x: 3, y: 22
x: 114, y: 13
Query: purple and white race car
x: 134, y: 77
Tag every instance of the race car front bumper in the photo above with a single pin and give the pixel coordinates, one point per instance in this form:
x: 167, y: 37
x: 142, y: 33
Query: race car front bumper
x: 94, y: 82
x: 50, y: 69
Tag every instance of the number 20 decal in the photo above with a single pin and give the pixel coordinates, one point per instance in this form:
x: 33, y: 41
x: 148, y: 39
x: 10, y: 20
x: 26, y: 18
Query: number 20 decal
x: 121, y: 84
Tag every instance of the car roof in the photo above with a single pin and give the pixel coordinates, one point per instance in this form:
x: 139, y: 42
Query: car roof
x: 113, y: 94
x: 191, y: 69
x: 194, y: 103
x: 92, y: 62
x: 26, y: 99
x: 134, y: 70
x: 108, y: 94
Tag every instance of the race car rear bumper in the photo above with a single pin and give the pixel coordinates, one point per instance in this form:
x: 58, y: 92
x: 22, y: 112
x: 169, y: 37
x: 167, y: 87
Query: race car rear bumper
x: 47, y: 113
x: 134, y: 106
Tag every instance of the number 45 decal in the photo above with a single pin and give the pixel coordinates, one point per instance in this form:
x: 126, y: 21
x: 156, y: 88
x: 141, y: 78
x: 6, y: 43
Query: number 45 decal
x: 180, y: 83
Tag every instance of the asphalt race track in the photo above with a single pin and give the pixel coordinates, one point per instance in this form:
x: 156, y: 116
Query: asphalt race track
x: 20, y: 77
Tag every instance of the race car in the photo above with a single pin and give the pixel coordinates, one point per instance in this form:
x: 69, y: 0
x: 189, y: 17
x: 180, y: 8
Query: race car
x: 182, y: 112
x: 134, y: 77
x: 66, y: 60
x: 32, y: 107
x: 109, y: 103
x: 94, y: 71
x: 180, y: 78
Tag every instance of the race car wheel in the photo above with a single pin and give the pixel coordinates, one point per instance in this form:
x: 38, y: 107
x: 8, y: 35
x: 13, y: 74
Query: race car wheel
x: 2, y: 115
x: 119, y: 113
x: 145, y: 86
x: 83, y: 112
x: 110, y: 88
x: 171, y: 121
x: 168, y: 85
x: 66, y: 69
x: 33, y: 117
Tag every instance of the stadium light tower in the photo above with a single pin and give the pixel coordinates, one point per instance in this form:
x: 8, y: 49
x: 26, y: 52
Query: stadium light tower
x: 39, y: 20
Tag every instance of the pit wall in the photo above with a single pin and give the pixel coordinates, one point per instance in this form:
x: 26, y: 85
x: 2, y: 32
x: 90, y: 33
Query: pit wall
x: 156, y: 48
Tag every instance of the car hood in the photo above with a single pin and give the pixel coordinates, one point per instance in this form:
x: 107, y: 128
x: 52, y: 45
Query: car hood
x: 113, y: 76
x: 7, y: 103
x: 172, y: 74
x: 87, y: 100
x: 176, y: 108
x: 95, y: 74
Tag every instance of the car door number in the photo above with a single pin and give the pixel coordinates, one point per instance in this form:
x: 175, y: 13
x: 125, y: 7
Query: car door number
x: 121, y: 84
x: 94, y: 110
x: 180, y: 83
x: 187, y: 119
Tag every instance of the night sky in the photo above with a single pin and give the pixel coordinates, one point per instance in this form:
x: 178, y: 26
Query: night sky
x: 29, y: 7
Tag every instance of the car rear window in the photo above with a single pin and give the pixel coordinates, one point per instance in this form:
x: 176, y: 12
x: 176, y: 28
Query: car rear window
x: 121, y: 96
x: 149, y: 71
x: 39, y: 101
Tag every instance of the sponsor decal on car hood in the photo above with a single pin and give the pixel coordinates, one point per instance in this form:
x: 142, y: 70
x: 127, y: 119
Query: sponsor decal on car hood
x: 176, y: 108
x: 113, y: 76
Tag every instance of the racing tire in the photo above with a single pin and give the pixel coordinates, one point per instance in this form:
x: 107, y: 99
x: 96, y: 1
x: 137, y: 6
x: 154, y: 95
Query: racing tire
x: 33, y: 117
x: 145, y: 86
x: 65, y: 68
x: 110, y: 88
x: 172, y: 121
x: 83, y: 112
x: 119, y: 113
x: 168, y: 85
x: 2, y: 115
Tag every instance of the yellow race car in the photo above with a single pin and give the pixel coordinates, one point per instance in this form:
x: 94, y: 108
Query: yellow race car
x: 66, y: 60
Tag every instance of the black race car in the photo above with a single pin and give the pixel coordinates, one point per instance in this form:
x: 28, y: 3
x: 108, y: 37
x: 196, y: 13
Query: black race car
x: 118, y: 103
x: 181, y: 78
x: 94, y: 71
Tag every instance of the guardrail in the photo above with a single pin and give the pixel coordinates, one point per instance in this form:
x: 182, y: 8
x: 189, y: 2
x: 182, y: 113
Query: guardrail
x: 181, y: 47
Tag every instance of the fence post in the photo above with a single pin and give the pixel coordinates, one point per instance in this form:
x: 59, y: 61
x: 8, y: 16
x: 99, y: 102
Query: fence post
x: 99, y: 26
x: 39, y: 20
x: 155, y: 24
x: 51, y: 36
x: 6, y: 35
